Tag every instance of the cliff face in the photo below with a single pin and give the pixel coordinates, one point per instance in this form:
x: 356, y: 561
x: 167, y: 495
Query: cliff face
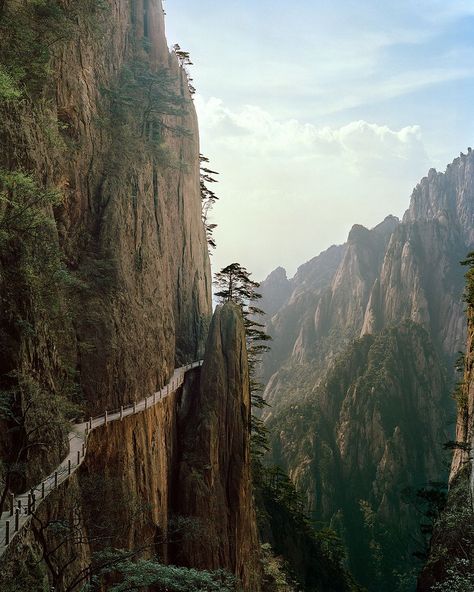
x: 104, y: 130
x: 381, y: 279
x: 214, y: 482
x: 450, y: 561
x: 128, y: 221
x: 173, y: 482
x: 368, y: 433
x: 462, y: 456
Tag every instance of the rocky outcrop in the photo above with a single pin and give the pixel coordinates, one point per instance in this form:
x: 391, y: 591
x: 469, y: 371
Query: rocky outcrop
x: 464, y: 394
x: 450, y: 561
x: 277, y: 290
x: 383, y: 278
x: 106, y: 123
x: 372, y: 430
x: 128, y: 224
x: 213, y: 483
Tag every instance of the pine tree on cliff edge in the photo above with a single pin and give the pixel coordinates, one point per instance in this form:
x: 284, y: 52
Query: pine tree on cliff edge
x: 234, y: 284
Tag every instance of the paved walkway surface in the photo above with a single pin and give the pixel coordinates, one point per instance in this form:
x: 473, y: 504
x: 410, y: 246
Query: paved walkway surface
x: 20, y: 506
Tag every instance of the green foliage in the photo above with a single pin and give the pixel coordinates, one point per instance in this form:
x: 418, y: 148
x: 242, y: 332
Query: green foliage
x: 145, y: 107
x: 233, y: 282
x: 23, y: 207
x: 451, y: 556
x: 460, y: 395
x: 184, y: 61
x: 8, y: 88
x: 138, y: 574
x: 460, y: 578
x: 275, y: 576
x: 30, y: 31
x: 316, y: 559
x: 208, y: 199
x: 469, y: 275
x: 33, y: 270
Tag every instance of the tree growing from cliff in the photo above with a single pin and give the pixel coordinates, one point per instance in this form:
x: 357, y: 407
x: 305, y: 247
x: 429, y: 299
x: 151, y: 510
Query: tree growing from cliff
x: 33, y: 286
x: 235, y: 284
x: 469, y: 290
x: 208, y: 198
x: 35, y: 420
x: 184, y: 61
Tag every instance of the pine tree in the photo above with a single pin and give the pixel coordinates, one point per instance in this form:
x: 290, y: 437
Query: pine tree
x: 184, y: 61
x: 235, y: 284
x: 208, y: 199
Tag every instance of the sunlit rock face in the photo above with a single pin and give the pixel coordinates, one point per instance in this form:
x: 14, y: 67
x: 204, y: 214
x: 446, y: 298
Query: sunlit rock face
x: 450, y: 562
x: 403, y: 276
x: 214, y: 481
x: 129, y: 229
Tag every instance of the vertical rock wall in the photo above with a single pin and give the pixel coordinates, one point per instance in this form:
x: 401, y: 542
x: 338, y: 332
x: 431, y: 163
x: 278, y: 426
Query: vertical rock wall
x: 214, y: 482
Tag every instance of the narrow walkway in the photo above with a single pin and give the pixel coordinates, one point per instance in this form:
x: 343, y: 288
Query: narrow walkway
x: 21, y: 506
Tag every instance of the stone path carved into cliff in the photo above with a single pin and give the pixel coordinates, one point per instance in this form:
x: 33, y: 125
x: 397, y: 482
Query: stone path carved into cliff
x: 22, y: 506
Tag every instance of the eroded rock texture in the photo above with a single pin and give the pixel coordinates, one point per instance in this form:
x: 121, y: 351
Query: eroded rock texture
x: 374, y: 413
x: 214, y: 481
x: 108, y: 124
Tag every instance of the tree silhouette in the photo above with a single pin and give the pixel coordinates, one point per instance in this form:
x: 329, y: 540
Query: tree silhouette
x: 184, y: 61
x: 208, y: 199
x: 235, y: 284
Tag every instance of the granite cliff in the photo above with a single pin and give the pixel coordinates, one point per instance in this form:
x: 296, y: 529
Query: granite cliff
x: 105, y: 289
x: 450, y: 561
x: 363, y: 353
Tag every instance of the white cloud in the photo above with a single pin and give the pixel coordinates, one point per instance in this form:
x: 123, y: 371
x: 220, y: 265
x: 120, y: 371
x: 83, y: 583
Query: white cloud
x: 253, y: 130
x: 278, y: 178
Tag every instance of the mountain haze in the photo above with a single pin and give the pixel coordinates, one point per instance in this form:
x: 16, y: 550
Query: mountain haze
x: 361, y: 369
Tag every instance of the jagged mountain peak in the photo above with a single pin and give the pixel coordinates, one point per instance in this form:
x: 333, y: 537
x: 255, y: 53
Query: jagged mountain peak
x: 387, y: 226
x: 358, y: 232
x: 277, y: 275
x: 447, y: 196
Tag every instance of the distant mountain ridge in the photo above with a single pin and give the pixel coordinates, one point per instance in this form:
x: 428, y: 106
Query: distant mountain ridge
x: 362, y: 354
x: 395, y: 271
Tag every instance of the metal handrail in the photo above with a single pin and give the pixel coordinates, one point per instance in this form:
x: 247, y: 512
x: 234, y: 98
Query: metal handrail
x: 13, y: 520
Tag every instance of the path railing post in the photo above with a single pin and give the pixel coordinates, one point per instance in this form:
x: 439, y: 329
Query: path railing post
x: 83, y: 450
x: 12, y: 502
x: 56, y: 479
x: 79, y: 457
x: 69, y: 467
x: 28, y: 509
x: 90, y: 423
x: 7, y: 532
x: 42, y: 490
x: 17, y: 519
x: 106, y: 417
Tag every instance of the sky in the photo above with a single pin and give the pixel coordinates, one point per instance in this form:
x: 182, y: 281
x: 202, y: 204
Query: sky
x: 321, y: 114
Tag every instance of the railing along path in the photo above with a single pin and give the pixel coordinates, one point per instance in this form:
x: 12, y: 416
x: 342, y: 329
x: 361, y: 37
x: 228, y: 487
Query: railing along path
x: 22, y: 506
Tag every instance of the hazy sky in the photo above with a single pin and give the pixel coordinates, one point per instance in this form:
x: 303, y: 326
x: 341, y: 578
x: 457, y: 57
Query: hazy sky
x: 321, y: 114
